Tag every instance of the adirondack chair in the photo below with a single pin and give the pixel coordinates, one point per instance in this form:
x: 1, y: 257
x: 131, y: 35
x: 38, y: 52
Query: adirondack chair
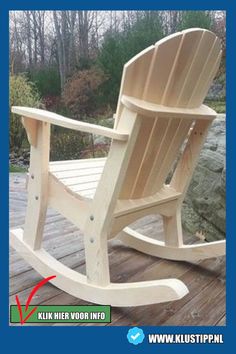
x: 159, y: 118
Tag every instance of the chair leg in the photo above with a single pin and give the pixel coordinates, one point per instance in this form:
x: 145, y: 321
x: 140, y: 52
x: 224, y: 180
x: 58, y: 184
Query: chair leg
x: 173, y: 229
x: 35, y: 220
x: 36, y: 206
x: 37, y: 183
x: 97, y: 262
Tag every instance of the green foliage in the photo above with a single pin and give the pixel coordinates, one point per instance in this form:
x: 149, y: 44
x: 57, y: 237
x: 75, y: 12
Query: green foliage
x: 147, y: 30
x: 14, y: 168
x: 222, y: 79
x: 67, y: 144
x: 22, y: 93
x: 199, y: 19
x: 46, y: 80
x: 100, y: 150
x: 119, y: 47
x: 218, y: 105
x: 81, y: 92
x: 111, y: 60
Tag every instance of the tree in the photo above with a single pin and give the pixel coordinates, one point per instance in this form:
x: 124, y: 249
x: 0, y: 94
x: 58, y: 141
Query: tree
x: 64, y: 42
x: 83, y: 35
x: 200, y: 19
x: 119, y: 47
x: 22, y: 93
x: 65, y: 30
x: 81, y: 92
x: 61, y: 43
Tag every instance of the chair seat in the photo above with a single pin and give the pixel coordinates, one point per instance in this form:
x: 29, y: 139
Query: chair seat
x: 79, y: 176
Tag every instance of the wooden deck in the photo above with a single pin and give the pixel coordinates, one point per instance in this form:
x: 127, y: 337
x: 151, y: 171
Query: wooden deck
x: 203, y: 306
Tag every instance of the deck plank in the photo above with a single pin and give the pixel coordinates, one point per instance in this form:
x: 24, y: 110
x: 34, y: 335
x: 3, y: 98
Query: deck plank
x: 222, y: 321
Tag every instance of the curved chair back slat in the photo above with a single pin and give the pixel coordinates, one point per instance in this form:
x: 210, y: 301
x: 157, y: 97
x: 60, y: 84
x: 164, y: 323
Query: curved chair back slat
x: 175, y: 72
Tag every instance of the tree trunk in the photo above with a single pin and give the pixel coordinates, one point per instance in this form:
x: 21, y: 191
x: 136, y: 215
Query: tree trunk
x: 83, y: 34
x: 29, y: 38
x: 60, y: 50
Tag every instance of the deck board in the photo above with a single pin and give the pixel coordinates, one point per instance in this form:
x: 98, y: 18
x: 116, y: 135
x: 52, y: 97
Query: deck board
x: 204, y: 305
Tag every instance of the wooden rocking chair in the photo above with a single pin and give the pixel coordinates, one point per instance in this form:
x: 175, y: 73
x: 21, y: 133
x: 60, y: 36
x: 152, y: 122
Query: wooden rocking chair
x: 159, y: 116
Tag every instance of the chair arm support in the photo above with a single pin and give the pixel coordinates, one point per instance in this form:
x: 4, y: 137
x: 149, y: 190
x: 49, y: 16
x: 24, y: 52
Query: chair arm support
x: 148, y: 109
x: 53, y: 118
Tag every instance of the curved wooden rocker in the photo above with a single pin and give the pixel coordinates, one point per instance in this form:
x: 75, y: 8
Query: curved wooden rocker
x: 157, y: 248
x: 144, y: 293
x: 160, y: 118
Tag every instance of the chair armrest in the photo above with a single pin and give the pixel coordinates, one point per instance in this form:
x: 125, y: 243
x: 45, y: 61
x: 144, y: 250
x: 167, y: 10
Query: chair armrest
x: 53, y: 118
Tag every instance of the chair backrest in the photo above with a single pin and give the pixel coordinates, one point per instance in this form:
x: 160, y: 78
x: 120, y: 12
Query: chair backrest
x: 175, y: 72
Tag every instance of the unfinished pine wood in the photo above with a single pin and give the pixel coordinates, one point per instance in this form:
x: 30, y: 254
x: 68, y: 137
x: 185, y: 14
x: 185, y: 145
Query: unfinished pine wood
x: 150, y: 158
x: 161, y: 170
x: 76, y: 284
x: 188, y: 160
x: 129, y: 206
x: 53, y: 118
x: 150, y: 109
x: 64, y: 242
x: 161, y: 249
x: 173, y: 69
x: 159, y: 112
x: 30, y: 126
x: 37, y: 187
x: 141, y: 145
x: 78, y: 177
x: 66, y: 203
x: 103, y: 205
x: 173, y: 229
